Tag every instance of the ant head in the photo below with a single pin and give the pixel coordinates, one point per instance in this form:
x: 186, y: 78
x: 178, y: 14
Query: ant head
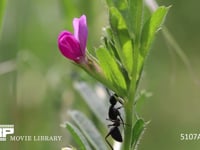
x: 113, y: 100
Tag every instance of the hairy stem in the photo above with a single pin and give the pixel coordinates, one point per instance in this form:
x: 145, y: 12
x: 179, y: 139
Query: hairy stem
x: 129, y: 122
x: 130, y: 100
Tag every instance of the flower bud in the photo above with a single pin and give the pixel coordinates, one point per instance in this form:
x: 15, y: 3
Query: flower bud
x: 73, y: 46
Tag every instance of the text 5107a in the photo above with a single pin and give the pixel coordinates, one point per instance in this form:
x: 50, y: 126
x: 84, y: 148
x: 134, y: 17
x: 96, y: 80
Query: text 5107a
x: 189, y: 136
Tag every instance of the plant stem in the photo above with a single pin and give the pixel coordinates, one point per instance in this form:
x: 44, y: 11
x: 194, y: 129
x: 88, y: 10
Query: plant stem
x: 129, y: 121
x: 130, y: 99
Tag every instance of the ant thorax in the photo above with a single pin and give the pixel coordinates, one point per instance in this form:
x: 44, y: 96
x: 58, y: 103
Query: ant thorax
x: 113, y: 113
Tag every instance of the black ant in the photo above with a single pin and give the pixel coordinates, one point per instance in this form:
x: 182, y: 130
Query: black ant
x: 113, y: 112
x: 115, y: 117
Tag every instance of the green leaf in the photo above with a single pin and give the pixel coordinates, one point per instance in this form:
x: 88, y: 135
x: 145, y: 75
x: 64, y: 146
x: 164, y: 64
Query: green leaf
x: 109, y: 3
x: 137, y: 132
x: 88, y: 129
x: 78, y: 137
x: 122, y: 40
x: 93, y: 101
x: 122, y: 7
x: 2, y: 9
x: 110, y: 44
x: 120, y: 4
x: 150, y: 28
x: 112, y: 71
x: 135, y: 13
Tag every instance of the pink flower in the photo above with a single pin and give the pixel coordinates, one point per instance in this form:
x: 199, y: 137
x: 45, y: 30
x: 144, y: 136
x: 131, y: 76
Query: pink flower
x: 73, y: 46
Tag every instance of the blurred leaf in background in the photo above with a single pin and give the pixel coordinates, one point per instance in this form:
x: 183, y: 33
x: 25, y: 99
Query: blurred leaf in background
x: 2, y: 9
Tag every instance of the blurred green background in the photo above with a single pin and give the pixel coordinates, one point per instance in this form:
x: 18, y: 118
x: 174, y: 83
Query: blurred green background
x: 36, y: 81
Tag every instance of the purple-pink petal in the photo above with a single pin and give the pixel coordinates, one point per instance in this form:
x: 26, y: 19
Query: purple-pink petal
x: 63, y: 33
x: 76, y: 27
x: 81, y: 31
x: 69, y: 46
x: 73, y: 46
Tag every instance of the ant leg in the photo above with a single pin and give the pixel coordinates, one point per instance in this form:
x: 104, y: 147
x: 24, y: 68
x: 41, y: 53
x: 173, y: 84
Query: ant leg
x: 121, y: 120
x: 108, y: 92
x: 110, y: 125
x: 110, y: 120
x: 109, y: 144
x: 109, y: 133
x: 119, y: 99
x: 119, y: 107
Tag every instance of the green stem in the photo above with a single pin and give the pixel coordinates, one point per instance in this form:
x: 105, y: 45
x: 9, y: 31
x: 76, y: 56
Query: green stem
x: 129, y: 121
x: 130, y: 101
